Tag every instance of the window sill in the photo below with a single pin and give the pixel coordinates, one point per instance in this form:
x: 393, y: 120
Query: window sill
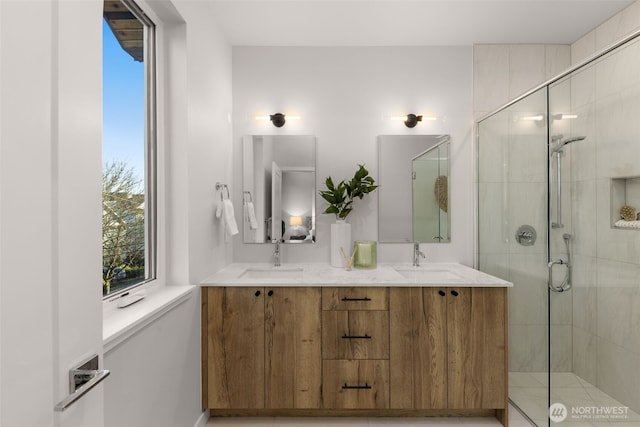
x: 119, y: 324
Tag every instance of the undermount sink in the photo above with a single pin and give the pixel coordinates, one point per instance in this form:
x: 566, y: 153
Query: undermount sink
x: 429, y: 275
x: 275, y: 273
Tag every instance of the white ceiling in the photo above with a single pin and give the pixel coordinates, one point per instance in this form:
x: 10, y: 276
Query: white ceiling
x: 408, y: 22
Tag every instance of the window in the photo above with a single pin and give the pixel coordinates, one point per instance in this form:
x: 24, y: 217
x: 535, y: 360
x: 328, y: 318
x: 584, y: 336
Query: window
x: 128, y: 148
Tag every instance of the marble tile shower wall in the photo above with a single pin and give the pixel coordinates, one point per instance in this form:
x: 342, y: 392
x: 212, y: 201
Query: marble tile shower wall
x: 606, y: 298
x: 512, y: 188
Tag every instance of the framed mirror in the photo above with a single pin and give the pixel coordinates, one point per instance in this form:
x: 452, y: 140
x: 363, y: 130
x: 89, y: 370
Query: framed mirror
x: 414, y: 189
x: 279, y: 188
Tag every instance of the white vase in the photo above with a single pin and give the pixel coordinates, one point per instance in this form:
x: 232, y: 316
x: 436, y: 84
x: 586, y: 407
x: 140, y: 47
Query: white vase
x: 340, y: 237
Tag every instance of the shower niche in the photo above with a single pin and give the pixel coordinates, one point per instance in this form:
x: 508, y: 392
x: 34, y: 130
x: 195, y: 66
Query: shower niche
x: 625, y: 192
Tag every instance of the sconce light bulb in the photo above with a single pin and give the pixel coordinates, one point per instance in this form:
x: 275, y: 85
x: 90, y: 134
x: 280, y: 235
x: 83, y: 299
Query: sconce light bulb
x: 536, y: 118
x: 565, y: 116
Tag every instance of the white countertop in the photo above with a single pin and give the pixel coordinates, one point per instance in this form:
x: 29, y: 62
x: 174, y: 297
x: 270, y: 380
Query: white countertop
x: 323, y: 274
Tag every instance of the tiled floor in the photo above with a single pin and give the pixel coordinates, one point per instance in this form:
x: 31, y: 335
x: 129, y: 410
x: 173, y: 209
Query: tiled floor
x: 515, y: 420
x: 528, y: 391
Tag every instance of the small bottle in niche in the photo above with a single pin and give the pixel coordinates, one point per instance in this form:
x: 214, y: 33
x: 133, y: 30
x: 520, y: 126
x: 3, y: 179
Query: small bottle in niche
x: 366, y: 254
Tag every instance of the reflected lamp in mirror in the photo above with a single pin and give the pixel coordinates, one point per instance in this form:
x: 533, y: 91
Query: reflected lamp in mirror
x: 278, y: 172
x: 278, y: 119
x: 411, y: 120
x: 413, y: 203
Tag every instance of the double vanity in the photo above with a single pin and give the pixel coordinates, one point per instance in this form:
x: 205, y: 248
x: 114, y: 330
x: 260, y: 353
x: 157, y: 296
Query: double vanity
x: 308, y: 339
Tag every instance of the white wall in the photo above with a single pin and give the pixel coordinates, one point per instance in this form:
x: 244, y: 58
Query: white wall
x: 343, y: 95
x: 155, y: 375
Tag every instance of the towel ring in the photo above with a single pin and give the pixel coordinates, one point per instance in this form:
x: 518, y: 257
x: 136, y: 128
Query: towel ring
x: 248, y: 193
x: 220, y: 187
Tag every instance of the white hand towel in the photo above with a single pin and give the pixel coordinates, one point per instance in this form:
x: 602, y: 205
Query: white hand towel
x: 229, y: 217
x: 251, y: 214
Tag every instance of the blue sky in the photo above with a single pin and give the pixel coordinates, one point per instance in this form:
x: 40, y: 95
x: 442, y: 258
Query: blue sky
x: 123, y: 105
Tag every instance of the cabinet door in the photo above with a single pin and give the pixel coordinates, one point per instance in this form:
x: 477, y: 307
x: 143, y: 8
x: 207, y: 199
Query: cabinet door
x: 293, y: 348
x: 234, y: 347
x: 418, y: 348
x: 476, y: 323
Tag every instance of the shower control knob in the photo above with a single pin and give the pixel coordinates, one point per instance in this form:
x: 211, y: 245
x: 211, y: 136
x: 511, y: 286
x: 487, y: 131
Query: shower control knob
x: 526, y: 235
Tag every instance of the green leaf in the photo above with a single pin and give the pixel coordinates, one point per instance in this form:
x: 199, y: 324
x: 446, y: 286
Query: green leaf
x: 329, y: 183
x: 344, y: 213
x: 331, y: 210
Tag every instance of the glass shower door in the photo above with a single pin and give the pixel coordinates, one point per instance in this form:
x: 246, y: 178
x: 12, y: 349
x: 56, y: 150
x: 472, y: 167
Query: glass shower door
x: 512, y: 238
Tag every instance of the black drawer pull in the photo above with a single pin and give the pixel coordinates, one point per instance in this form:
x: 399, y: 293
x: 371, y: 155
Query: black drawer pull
x: 356, y: 299
x: 356, y: 387
x: 270, y: 293
x: 356, y: 337
x: 454, y: 293
x: 257, y: 293
x: 441, y: 293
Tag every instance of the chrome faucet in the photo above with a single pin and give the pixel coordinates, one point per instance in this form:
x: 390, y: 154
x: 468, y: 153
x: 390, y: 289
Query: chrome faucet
x: 276, y: 254
x: 417, y: 254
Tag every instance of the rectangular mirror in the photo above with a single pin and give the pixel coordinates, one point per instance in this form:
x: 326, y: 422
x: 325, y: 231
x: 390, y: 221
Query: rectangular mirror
x: 414, y: 189
x: 279, y: 188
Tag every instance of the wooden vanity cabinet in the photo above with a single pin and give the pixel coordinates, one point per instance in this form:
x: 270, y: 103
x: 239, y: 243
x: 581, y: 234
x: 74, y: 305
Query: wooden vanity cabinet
x: 378, y: 350
x: 261, y: 348
x: 448, y: 348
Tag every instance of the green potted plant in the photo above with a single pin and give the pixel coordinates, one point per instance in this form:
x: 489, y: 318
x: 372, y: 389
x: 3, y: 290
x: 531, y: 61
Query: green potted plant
x: 340, y: 198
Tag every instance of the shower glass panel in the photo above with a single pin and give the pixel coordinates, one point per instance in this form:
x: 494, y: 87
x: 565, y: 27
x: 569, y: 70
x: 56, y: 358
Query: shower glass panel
x: 512, y: 190
x: 574, y: 176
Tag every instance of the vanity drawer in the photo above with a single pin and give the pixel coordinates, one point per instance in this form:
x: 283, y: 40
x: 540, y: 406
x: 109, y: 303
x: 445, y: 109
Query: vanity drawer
x: 359, y: 298
x: 355, y: 334
x: 355, y: 384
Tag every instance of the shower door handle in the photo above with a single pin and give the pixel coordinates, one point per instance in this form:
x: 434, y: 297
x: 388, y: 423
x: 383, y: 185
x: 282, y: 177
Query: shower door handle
x: 550, y: 267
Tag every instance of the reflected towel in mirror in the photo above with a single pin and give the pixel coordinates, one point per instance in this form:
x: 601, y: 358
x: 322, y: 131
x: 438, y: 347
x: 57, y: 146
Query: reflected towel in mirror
x: 251, y: 216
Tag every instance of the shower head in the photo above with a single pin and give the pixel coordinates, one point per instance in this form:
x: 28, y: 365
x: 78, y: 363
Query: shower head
x: 562, y: 142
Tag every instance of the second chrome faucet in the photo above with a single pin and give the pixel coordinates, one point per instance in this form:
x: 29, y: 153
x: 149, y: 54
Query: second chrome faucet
x: 417, y: 254
x: 276, y: 254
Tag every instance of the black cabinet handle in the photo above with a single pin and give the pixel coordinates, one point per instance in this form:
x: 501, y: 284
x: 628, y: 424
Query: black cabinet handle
x: 356, y: 337
x: 270, y: 293
x: 441, y: 293
x: 257, y: 293
x: 356, y: 387
x: 454, y: 293
x: 356, y: 299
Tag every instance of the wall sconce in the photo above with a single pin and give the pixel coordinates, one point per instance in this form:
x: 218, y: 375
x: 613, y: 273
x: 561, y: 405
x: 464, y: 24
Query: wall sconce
x: 278, y: 119
x: 411, y: 120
